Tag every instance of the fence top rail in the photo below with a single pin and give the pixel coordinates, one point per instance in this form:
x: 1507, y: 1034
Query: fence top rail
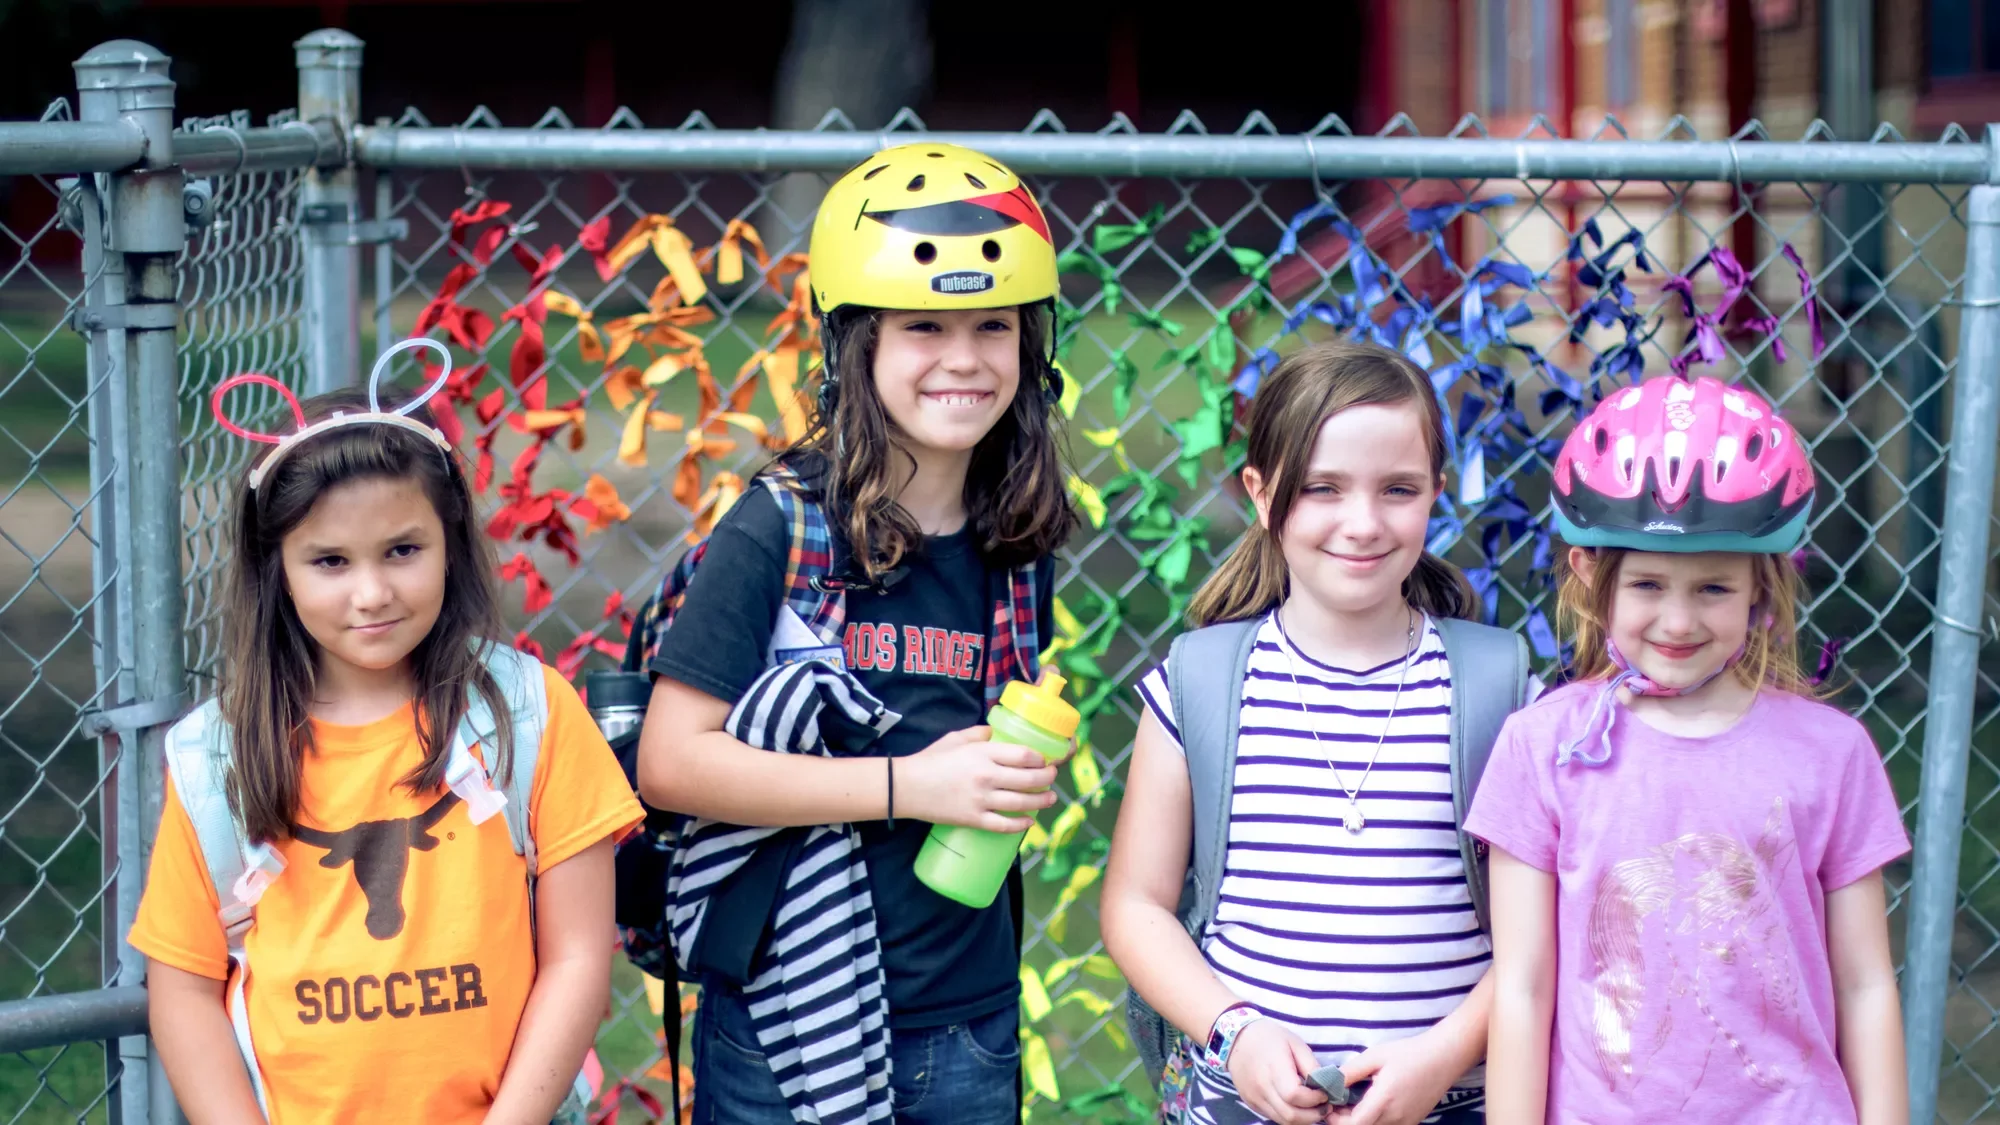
x: 80, y: 147
x: 29, y: 148
x: 1188, y: 156
x: 220, y: 150
x: 43, y: 148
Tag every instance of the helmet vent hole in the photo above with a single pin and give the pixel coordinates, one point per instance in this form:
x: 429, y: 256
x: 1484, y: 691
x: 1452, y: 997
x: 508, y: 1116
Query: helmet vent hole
x: 873, y: 172
x: 1673, y: 468
x: 917, y: 184
x: 1755, y: 447
x: 1628, y: 468
x: 1602, y: 440
x: 926, y: 252
x: 975, y: 181
x: 935, y: 155
x: 991, y: 249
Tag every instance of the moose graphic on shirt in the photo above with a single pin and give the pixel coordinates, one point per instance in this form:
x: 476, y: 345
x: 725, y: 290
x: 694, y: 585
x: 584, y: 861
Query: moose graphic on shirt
x: 380, y: 851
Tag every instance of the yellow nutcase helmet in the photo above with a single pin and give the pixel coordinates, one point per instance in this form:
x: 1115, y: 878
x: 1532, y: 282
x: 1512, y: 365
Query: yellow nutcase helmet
x: 931, y: 226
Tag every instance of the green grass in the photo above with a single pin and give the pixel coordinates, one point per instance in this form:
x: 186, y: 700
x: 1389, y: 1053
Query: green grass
x: 49, y: 863
x: 43, y: 418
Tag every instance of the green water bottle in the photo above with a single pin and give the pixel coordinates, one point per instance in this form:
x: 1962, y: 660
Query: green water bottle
x: 969, y: 865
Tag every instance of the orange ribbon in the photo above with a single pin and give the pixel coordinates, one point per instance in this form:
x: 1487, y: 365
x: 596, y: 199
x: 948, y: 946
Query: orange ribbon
x: 608, y: 508
x: 722, y: 494
x: 670, y: 245
x: 547, y: 422
x: 589, y: 342
x: 632, y: 442
x: 727, y: 255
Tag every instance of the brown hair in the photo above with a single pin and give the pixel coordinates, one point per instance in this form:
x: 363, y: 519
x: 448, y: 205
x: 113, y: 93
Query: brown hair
x: 1017, y: 501
x: 271, y: 664
x: 1583, y: 612
x: 1292, y: 403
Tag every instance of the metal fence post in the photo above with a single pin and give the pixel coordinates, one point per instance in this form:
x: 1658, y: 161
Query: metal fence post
x: 1955, y: 640
x: 329, y: 62
x: 146, y: 228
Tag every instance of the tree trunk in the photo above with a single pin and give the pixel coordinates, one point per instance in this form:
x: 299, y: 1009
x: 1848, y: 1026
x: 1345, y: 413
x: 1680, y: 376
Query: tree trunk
x: 865, y: 58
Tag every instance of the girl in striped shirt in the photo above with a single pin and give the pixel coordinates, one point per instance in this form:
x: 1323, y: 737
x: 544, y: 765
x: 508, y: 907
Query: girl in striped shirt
x: 1345, y: 932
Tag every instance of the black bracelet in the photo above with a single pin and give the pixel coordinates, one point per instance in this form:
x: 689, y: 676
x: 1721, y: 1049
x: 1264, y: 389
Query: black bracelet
x: 891, y: 763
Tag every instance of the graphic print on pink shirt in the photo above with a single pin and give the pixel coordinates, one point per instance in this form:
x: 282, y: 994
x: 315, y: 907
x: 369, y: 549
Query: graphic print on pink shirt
x: 1711, y: 903
x: 1691, y: 879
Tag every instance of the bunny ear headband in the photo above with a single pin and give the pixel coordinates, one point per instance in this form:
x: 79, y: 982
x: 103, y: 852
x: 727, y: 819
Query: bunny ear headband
x: 375, y: 413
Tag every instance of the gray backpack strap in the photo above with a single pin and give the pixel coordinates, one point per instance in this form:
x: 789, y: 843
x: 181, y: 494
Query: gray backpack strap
x: 1205, y: 670
x: 1480, y: 705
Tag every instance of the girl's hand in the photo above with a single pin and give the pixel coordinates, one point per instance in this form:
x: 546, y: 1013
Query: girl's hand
x: 966, y: 778
x: 1269, y: 1065
x: 1409, y: 1076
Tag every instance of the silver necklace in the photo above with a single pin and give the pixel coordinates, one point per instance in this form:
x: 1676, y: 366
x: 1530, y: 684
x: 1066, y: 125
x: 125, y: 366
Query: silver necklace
x: 1354, y: 821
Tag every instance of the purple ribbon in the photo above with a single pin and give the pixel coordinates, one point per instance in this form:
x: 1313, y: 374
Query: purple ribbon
x: 1829, y: 657
x: 1704, y: 342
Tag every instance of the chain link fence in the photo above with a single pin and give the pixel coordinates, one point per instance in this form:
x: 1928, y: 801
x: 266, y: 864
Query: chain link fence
x: 56, y: 870
x: 625, y: 312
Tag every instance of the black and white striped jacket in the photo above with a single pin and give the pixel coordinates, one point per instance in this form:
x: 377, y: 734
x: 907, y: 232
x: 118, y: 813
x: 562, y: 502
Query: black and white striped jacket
x: 817, y: 994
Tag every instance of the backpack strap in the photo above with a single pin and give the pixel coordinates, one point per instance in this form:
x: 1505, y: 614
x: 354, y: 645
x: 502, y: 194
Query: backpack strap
x: 1013, y: 633
x: 526, y: 693
x: 1205, y: 673
x: 1480, y: 704
x: 198, y: 763
x: 521, y: 685
x: 819, y: 604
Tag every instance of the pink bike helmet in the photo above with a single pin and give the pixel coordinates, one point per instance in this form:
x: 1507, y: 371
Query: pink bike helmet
x: 1679, y: 465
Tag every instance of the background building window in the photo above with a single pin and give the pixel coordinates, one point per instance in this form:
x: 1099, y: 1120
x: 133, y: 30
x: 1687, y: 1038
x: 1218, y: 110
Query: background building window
x: 1964, y: 38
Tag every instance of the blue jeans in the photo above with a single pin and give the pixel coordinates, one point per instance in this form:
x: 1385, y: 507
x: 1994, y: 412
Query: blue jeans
x: 961, y: 1074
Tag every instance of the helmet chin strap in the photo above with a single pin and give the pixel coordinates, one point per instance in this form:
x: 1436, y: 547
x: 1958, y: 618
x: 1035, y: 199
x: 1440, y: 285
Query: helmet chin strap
x: 1630, y: 677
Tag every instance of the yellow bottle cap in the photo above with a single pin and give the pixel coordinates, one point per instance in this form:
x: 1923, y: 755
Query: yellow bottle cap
x: 1042, y: 704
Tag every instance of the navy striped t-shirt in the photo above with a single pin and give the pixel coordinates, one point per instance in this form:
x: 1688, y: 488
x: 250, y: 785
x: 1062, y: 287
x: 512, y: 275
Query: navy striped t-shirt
x: 1349, y: 939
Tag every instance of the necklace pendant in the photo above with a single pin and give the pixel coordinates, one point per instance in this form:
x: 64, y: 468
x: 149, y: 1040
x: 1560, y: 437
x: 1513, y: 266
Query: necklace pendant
x: 1355, y: 822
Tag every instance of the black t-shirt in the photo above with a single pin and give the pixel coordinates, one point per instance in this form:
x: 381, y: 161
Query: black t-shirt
x: 920, y: 647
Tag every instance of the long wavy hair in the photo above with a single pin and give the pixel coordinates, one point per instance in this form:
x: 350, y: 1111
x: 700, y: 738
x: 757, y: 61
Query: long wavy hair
x: 1770, y: 658
x: 1292, y: 403
x: 270, y: 662
x: 1017, y: 502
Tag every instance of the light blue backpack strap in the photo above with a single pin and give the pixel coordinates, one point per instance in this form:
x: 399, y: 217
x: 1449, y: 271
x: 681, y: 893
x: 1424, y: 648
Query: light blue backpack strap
x: 526, y: 692
x: 198, y: 763
x: 1480, y: 705
x: 519, y: 677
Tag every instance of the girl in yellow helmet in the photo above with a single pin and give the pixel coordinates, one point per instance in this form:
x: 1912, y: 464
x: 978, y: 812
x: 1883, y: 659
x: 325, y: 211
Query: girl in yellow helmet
x: 933, y: 461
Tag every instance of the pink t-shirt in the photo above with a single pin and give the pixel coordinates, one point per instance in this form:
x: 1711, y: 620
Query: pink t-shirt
x: 1692, y: 874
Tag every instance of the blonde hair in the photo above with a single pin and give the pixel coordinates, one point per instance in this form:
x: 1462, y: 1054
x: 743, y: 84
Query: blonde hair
x: 1292, y: 403
x: 1583, y: 613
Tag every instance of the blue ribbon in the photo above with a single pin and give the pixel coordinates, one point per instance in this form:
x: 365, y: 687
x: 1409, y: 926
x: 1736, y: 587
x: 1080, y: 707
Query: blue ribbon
x: 1487, y: 427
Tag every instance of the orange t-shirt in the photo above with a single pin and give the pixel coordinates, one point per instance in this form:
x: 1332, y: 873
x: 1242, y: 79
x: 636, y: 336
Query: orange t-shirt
x: 390, y: 963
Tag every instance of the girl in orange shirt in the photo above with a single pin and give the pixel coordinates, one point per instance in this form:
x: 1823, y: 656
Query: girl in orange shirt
x: 399, y: 965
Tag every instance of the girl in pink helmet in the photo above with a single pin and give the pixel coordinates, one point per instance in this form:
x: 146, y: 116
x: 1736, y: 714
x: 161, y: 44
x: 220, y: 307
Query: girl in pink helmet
x: 1688, y: 912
